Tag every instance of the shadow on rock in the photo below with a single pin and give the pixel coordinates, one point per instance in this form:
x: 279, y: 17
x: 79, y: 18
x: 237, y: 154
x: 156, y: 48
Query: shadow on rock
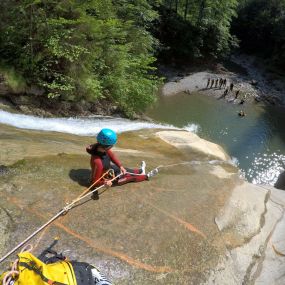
x: 280, y: 183
x: 4, y: 170
x: 81, y: 176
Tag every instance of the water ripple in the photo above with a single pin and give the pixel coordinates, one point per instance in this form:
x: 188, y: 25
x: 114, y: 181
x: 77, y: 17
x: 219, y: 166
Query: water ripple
x: 266, y: 168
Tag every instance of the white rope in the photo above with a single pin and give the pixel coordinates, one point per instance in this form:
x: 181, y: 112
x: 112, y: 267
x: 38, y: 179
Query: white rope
x: 13, y: 273
x: 62, y: 212
x: 72, y: 204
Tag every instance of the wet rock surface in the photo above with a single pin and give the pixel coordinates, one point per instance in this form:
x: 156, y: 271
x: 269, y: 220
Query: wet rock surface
x: 196, y: 222
x: 4, y: 228
x: 3, y: 170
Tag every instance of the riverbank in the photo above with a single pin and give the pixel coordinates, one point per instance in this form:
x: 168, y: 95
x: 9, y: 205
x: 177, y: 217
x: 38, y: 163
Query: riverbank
x: 30, y: 104
x: 33, y: 101
x: 250, y: 83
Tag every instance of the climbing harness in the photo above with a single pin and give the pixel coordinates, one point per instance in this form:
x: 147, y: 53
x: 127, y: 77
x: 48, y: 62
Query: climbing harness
x: 65, y: 209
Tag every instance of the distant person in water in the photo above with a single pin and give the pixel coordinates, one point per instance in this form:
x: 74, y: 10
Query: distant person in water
x: 212, y: 83
x: 242, y: 101
x: 225, y: 82
x: 103, y: 159
x: 241, y: 113
x: 237, y: 92
x: 208, y: 82
x: 231, y: 86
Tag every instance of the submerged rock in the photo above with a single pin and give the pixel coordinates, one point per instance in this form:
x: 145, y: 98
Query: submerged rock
x: 280, y: 183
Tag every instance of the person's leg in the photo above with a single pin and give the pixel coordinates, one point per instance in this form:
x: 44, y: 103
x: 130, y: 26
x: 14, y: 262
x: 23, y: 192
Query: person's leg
x: 140, y: 170
x: 131, y: 177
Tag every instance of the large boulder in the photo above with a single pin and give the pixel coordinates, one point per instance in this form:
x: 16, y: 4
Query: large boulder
x: 248, y: 222
x: 184, y: 139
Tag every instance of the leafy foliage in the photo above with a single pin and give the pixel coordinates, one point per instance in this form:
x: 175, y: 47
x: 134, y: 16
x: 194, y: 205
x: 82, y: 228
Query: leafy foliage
x: 261, y: 28
x: 82, y: 49
x: 196, y: 28
x: 89, y: 50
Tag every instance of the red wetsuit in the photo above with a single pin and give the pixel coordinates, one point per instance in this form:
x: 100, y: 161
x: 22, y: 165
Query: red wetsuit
x: 100, y: 162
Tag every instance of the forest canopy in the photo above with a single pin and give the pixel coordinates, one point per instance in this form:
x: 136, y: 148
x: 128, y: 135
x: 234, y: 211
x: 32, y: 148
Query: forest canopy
x: 77, y: 50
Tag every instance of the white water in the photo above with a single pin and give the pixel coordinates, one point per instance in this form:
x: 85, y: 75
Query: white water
x: 87, y: 126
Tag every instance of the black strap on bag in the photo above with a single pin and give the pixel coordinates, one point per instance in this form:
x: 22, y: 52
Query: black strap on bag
x: 82, y: 271
x: 51, y: 256
x: 31, y: 266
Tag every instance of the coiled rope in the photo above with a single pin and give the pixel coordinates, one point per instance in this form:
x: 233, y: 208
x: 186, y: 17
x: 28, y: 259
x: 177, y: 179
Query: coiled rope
x: 14, y: 273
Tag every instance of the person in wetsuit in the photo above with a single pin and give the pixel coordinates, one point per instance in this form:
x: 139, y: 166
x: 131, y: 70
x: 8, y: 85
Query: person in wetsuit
x: 103, y: 159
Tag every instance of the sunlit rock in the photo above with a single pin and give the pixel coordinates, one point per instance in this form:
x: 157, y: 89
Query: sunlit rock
x: 186, y: 139
x: 196, y: 222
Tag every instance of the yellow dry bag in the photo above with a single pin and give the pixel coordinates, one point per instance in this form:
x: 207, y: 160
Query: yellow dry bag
x: 32, y: 271
x: 56, y: 270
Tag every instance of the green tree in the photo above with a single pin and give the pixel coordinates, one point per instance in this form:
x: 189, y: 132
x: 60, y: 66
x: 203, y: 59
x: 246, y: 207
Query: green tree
x: 200, y: 28
x: 76, y: 49
x: 261, y: 28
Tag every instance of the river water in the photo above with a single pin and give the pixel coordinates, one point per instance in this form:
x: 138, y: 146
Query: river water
x: 256, y: 141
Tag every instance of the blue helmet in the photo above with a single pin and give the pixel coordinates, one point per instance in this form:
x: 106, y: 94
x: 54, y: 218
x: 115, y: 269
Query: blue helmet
x: 107, y: 137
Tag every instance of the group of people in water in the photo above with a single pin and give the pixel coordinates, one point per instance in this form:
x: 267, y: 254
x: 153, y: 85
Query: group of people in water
x: 221, y: 83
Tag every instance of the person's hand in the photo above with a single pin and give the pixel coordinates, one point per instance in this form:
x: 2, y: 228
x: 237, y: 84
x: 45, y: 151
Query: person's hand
x: 123, y: 170
x: 108, y: 183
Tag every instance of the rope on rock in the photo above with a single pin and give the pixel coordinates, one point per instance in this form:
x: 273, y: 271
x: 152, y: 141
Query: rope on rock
x: 165, y: 166
x: 65, y: 210
x: 193, y: 162
x: 83, y: 195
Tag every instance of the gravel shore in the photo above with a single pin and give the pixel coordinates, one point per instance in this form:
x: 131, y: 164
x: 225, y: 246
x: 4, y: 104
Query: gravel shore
x: 252, y: 84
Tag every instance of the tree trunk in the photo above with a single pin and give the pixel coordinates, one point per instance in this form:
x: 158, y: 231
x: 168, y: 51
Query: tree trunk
x: 176, y: 6
x: 201, y: 12
x: 170, y: 4
x: 186, y: 9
